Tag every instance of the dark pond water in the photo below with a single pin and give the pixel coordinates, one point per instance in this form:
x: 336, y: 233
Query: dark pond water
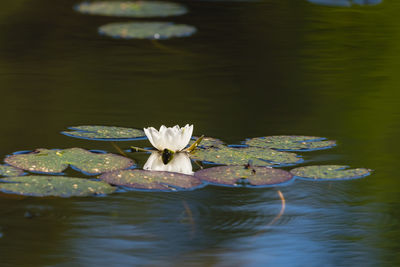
x: 252, y: 69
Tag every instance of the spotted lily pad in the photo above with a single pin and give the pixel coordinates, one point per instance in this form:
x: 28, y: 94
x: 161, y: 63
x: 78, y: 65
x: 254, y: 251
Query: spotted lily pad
x: 136, y: 9
x: 146, y: 30
x: 56, y: 161
x: 58, y: 186
x: 104, y: 133
x: 244, y: 176
x: 329, y: 172
x: 291, y: 142
x: 240, y: 156
x: 152, y: 180
x: 207, y: 142
x: 6, y: 170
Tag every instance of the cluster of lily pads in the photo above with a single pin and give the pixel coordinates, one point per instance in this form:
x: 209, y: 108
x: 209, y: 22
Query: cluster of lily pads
x: 251, y: 164
x: 139, y: 9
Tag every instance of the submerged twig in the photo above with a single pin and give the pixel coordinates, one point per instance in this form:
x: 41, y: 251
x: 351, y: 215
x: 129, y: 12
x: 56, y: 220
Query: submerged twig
x: 195, y: 144
x: 276, y: 218
x: 198, y: 164
x: 190, y: 216
x: 165, y: 48
x: 137, y: 149
x: 282, y: 209
x: 120, y: 151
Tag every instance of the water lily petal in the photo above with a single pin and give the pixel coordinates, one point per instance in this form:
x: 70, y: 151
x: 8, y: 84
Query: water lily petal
x: 172, y: 138
x: 153, y: 136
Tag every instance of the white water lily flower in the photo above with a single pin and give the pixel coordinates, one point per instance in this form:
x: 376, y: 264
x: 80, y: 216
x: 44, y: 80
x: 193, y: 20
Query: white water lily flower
x: 180, y: 163
x: 171, y: 138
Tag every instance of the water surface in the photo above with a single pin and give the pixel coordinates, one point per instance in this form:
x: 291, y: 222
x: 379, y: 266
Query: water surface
x: 252, y: 69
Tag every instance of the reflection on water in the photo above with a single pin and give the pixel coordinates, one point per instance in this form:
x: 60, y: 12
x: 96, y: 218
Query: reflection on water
x: 180, y: 163
x: 274, y: 67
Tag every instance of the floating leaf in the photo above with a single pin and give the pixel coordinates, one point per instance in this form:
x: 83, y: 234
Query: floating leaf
x: 326, y: 172
x: 152, y: 180
x: 6, y: 170
x: 240, y: 156
x: 56, y: 161
x: 345, y: 2
x: 291, y: 142
x: 104, y: 133
x: 207, y: 142
x: 58, y: 186
x: 245, y: 176
x: 136, y: 9
x: 146, y: 30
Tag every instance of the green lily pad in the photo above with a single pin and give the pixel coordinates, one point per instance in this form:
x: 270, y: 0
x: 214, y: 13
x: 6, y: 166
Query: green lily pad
x: 244, y: 176
x: 207, y: 142
x: 329, y: 172
x: 56, y: 161
x: 146, y: 30
x: 6, y: 170
x: 135, y: 9
x: 291, y: 142
x: 57, y: 186
x: 104, y: 133
x: 240, y: 156
x: 152, y: 180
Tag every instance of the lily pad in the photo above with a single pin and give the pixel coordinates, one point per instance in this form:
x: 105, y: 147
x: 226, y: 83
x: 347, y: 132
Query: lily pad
x: 244, y: 176
x: 291, y: 142
x: 135, y: 9
x: 240, y: 156
x: 6, y: 170
x: 146, y: 30
x: 104, y: 133
x: 58, y: 186
x: 329, y: 172
x: 56, y: 161
x: 152, y: 180
x: 207, y: 142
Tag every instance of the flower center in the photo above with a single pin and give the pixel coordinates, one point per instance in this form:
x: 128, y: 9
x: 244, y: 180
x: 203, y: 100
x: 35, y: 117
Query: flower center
x: 167, y: 155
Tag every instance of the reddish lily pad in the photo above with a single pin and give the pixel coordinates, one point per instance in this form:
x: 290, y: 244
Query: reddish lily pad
x: 244, y: 176
x: 6, y: 170
x: 152, y: 180
x: 239, y: 156
x: 291, y: 142
x: 104, y: 133
x: 57, y: 186
x: 136, y: 9
x: 57, y: 160
x: 329, y: 172
x: 146, y: 30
